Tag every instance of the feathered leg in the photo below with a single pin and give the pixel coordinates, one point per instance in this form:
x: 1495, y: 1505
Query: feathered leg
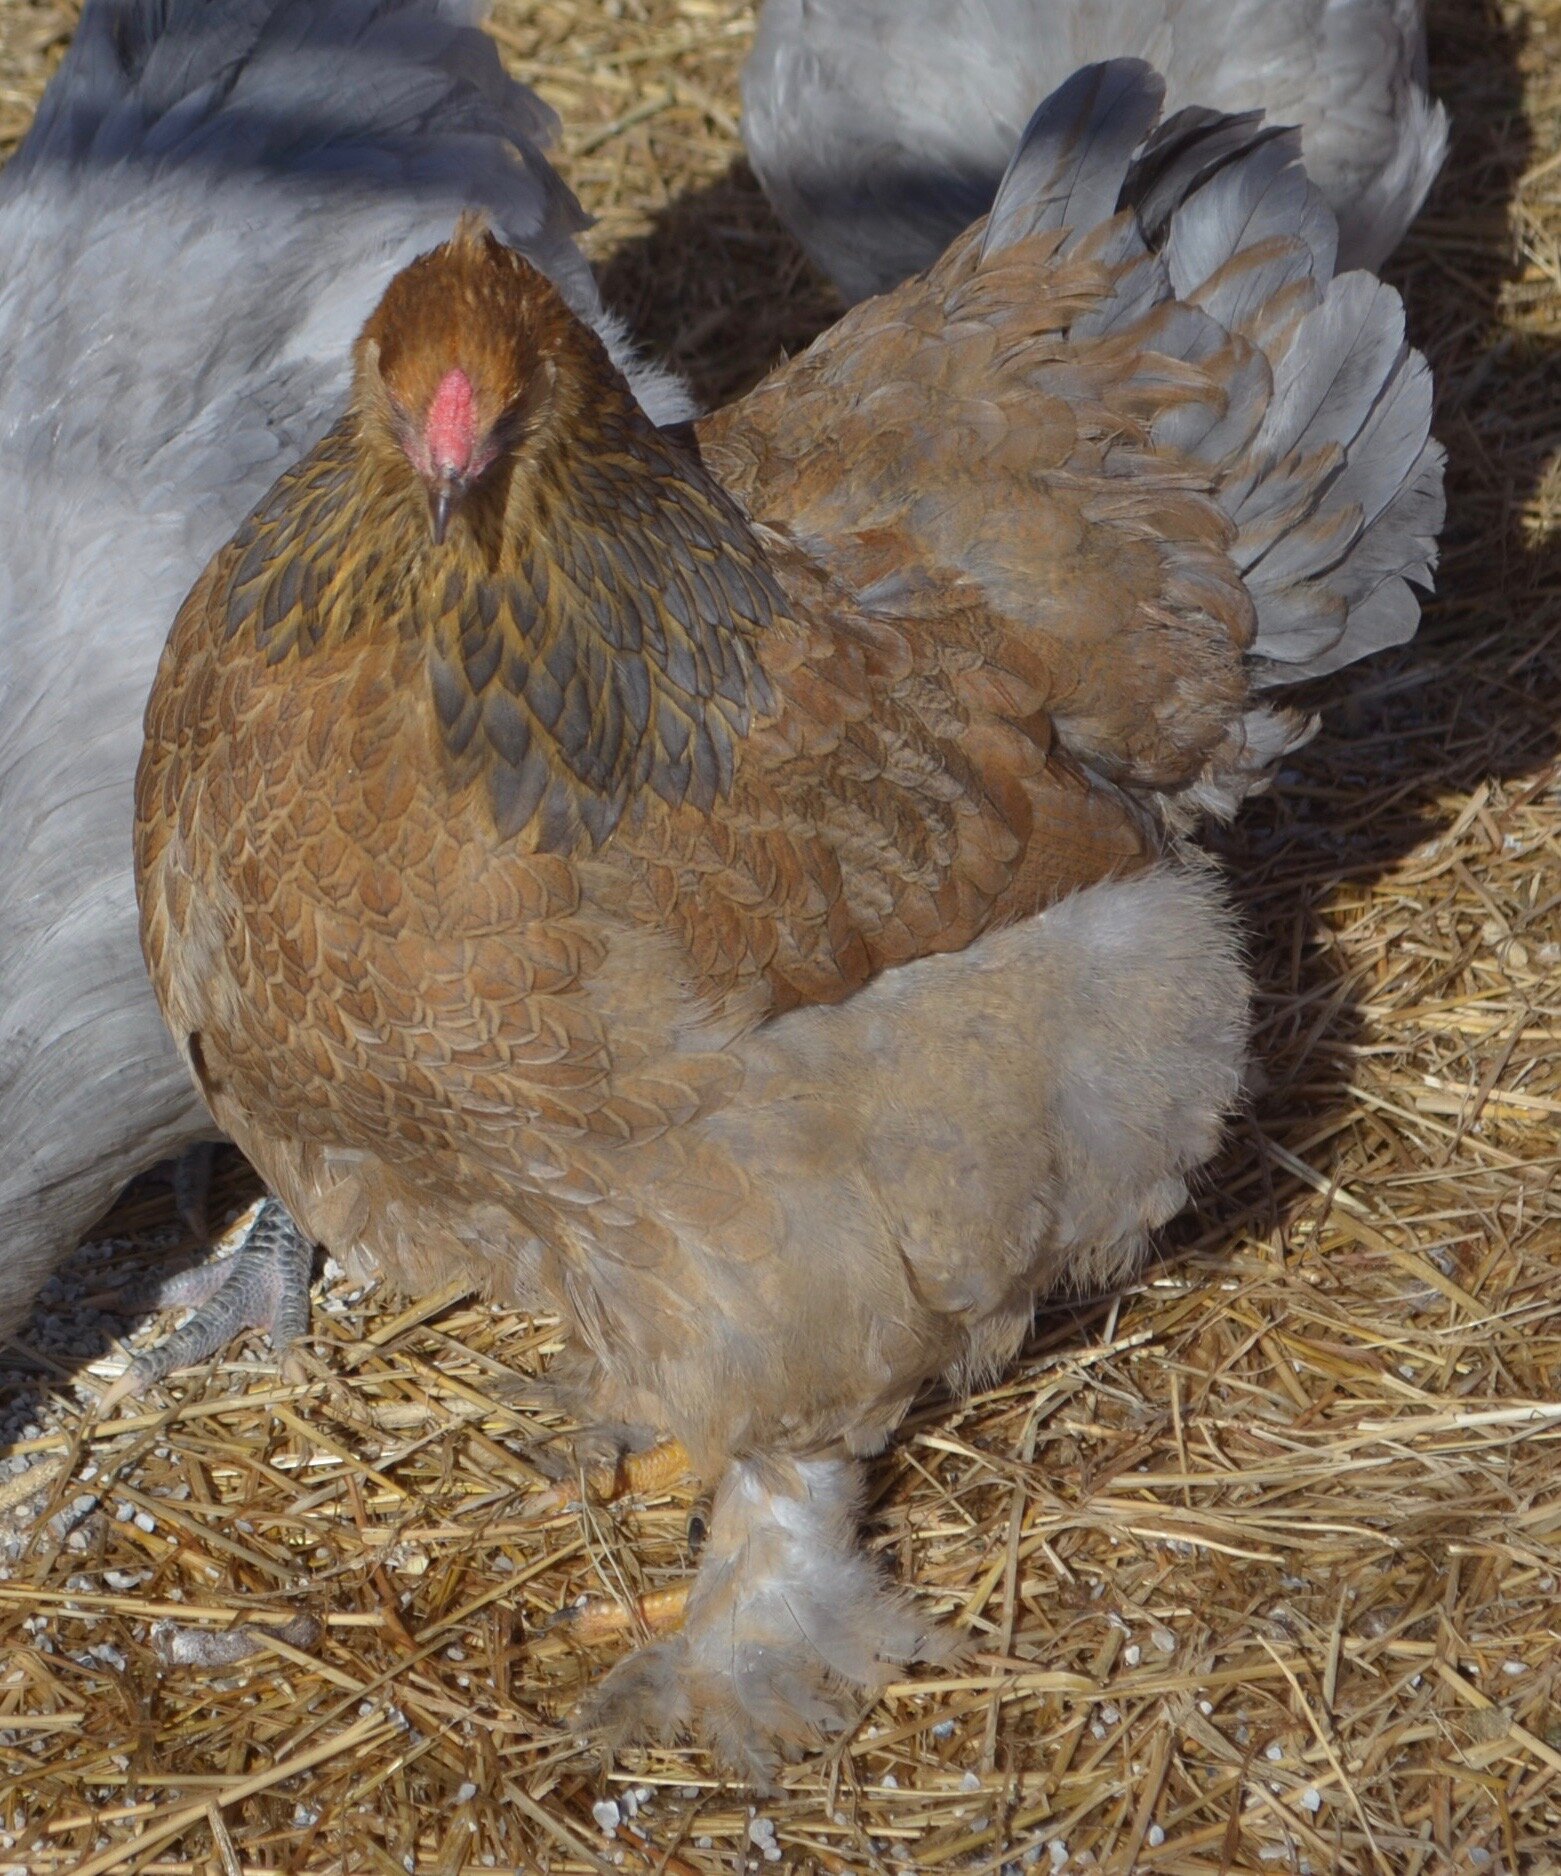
x: 789, y: 1624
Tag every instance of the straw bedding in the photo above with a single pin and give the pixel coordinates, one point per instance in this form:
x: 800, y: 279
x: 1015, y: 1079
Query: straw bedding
x: 1262, y: 1559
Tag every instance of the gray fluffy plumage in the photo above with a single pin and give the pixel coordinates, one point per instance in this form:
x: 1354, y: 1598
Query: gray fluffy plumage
x: 881, y: 128
x: 210, y: 201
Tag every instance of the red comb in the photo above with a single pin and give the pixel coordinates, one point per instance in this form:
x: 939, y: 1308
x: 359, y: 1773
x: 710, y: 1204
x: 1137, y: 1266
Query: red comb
x: 451, y: 427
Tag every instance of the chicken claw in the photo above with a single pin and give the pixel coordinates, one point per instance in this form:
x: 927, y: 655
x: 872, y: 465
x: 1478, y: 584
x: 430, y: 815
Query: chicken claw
x: 632, y: 1475
x: 606, y: 1618
x: 263, y: 1285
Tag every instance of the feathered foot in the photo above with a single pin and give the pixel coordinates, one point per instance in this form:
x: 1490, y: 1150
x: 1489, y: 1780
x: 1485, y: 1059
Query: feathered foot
x: 263, y: 1285
x: 788, y: 1625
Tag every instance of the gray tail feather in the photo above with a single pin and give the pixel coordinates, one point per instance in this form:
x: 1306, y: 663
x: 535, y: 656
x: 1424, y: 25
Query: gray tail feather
x: 1320, y: 443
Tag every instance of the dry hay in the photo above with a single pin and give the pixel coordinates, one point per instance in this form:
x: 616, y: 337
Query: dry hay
x: 1262, y: 1560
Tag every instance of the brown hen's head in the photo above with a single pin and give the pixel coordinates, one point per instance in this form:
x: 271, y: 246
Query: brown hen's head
x: 456, y: 366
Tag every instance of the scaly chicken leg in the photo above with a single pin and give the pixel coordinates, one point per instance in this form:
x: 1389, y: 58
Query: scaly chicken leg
x: 261, y: 1284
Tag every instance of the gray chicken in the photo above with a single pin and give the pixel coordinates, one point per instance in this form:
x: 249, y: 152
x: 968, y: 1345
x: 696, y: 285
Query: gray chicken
x: 880, y: 128
x: 210, y: 201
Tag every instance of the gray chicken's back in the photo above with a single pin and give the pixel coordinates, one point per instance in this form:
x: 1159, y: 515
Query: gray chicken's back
x: 881, y: 128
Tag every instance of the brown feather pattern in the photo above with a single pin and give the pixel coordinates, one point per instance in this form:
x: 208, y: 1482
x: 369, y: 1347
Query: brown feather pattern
x: 468, y: 864
x: 732, y: 890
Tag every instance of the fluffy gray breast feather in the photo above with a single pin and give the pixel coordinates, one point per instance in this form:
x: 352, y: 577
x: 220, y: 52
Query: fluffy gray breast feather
x: 881, y: 128
x: 210, y: 200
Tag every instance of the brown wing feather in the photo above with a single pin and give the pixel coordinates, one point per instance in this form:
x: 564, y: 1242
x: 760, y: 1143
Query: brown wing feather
x: 954, y: 451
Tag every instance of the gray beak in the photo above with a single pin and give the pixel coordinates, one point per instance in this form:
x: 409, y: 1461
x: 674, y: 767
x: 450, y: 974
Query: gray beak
x: 444, y: 498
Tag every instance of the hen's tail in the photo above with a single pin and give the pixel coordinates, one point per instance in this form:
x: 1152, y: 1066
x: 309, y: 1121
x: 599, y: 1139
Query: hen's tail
x: 1314, y: 414
x: 1138, y: 421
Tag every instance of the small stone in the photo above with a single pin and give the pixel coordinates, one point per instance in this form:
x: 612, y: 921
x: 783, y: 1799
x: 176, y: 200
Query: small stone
x: 889, y: 1782
x: 1514, y: 1668
x: 1057, y: 1850
x: 1311, y: 1800
x: 1164, y: 1640
x: 970, y: 1782
x: 1205, y: 1707
x: 943, y: 1730
x: 1274, y: 1753
x: 464, y: 1793
x: 1154, y: 1836
x: 762, y: 1831
x: 144, y: 1521
x: 1132, y: 1654
x: 607, y: 1816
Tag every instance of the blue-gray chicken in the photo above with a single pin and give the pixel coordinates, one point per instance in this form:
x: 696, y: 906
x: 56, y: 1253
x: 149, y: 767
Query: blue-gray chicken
x: 210, y: 201
x: 880, y: 128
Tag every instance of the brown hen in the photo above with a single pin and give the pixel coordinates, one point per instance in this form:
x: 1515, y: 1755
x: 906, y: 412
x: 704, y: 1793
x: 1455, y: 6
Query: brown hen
x: 733, y: 890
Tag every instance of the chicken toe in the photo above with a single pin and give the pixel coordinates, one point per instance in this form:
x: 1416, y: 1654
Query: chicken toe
x: 607, y: 1618
x: 264, y: 1284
